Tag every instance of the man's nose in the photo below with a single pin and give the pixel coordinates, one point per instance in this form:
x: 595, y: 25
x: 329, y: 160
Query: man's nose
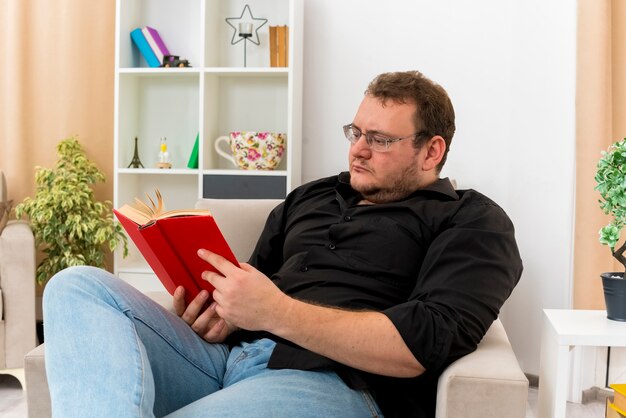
x: 360, y: 148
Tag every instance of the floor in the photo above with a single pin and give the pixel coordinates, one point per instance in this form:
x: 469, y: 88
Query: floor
x: 593, y: 409
x: 13, y: 403
x: 12, y: 400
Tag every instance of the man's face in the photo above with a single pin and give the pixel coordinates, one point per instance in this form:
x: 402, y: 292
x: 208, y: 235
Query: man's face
x: 392, y: 175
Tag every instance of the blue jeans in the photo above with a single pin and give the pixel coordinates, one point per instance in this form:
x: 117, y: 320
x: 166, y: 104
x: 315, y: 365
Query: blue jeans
x: 113, y: 352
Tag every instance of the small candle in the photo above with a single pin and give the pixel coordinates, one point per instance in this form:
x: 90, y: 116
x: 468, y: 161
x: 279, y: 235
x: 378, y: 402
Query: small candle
x: 245, y: 28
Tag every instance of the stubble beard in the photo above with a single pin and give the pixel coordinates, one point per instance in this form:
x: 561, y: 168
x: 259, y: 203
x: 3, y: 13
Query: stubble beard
x: 401, y: 186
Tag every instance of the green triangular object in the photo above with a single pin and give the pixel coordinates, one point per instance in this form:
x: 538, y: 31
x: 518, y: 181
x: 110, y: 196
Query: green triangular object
x: 193, y: 158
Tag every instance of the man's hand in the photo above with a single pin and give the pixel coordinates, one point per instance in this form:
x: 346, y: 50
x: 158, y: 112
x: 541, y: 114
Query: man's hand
x: 245, y: 297
x: 207, y: 323
x: 365, y: 340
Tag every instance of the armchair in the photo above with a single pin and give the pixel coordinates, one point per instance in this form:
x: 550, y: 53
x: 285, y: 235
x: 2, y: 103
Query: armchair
x: 17, y: 294
x: 486, y: 383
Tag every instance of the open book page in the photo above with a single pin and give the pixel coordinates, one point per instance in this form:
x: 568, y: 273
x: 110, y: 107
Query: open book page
x: 143, y: 213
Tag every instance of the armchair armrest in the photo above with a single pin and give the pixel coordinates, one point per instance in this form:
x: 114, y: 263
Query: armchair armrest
x: 487, y: 383
x: 38, y: 393
x: 17, y: 281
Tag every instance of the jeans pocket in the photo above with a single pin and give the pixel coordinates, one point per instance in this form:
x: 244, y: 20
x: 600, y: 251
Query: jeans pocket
x: 247, y: 358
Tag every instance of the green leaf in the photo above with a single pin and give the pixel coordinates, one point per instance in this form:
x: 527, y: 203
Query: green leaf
x: 70, y: 226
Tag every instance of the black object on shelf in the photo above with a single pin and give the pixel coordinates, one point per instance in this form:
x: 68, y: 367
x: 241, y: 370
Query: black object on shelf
x: 136, y: 162
x: 244, y: 30
x: 174, y: 61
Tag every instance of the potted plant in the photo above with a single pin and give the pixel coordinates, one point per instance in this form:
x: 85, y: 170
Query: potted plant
x: 611, y: 183
x: 70, y: 226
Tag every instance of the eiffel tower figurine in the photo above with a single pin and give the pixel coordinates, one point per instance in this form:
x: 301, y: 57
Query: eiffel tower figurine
x: 136, y: 162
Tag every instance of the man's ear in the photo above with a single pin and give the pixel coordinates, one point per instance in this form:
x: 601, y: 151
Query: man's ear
x: 435, y: 149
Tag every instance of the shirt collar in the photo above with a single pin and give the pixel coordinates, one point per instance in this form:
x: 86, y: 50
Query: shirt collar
x: 442, y: 186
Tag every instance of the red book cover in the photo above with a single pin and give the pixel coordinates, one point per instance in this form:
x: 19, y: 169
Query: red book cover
x: 170, y: 247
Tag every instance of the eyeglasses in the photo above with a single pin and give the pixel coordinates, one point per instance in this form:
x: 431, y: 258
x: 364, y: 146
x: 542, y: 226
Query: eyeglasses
x: 375, y: 141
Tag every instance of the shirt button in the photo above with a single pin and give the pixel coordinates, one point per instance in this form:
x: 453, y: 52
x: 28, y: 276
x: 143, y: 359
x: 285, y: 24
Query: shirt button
x: 304, y: 269
x: 347, y: 218
x: 332, y: 246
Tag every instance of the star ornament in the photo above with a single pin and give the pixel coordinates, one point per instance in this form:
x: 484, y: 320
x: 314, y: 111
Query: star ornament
x: 233, y: 22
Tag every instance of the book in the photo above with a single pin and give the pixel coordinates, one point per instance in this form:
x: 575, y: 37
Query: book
x: 169, y: 241
x: 286, y: 46
x: 144, y: 48
x: 279, y: 46
x: 273, y: 47
x: 156, y: 43
x: 282, y: 35
x: 194, y: 156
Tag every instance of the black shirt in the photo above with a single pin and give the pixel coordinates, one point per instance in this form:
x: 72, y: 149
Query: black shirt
x: 439, y: 263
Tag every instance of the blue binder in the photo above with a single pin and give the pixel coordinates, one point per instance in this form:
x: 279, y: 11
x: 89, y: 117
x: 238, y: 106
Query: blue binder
x: 144, y: 48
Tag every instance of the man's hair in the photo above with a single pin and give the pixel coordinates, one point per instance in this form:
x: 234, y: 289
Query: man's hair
x: 435, y: 114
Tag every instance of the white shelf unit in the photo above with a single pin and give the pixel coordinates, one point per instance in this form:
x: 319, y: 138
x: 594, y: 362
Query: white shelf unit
x: 215, y: 96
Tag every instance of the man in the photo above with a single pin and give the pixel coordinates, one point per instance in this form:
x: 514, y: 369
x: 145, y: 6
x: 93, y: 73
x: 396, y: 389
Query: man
x: 362, y: 288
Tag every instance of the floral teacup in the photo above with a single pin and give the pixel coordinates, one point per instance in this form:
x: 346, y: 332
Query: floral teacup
x: 253, y: 150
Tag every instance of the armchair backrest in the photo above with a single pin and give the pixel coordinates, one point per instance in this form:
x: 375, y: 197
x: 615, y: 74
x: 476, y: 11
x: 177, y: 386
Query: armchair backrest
x: 240, y: 220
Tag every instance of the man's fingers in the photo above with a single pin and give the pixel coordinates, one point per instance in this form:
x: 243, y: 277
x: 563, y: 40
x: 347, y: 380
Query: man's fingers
x: 247, y: 267
x: 213, y: 278
x: 208, y: 314
x: 214, y: 333
x: 220, y: 264
x: 179, y: 300
x: 191, y: 313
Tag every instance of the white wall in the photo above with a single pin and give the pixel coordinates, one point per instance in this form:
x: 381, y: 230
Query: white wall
x: 509, y: 67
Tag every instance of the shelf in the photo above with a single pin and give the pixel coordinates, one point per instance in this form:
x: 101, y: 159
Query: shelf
x: 236, y: 172
x: 160, y: 171
x: 195, y: 172
x: 179, y: 191
x: 210, y: 99
x: 244, y: 72
x: 160, y: 71
x: 229, y: 71
x: 155, y: 105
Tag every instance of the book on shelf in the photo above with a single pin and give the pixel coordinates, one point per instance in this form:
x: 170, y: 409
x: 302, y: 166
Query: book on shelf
x: 169, y: 241
x: 144, y: 48
x: 279, y: 46
x: 194, y: 156
x: 273, y: 47
x: 283, y: 45
x: 156, y: 43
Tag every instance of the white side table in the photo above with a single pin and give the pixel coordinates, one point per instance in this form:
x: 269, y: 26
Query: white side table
x: 563, y: 329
